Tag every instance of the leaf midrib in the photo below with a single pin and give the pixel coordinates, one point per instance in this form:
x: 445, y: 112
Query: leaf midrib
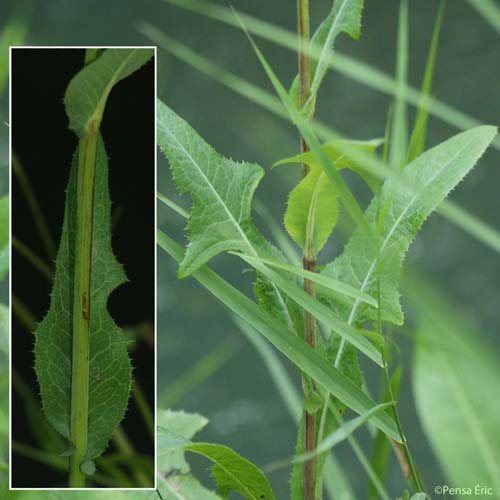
x: 357, y: 302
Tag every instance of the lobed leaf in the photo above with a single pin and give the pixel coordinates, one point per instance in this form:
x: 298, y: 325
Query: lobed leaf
x: 404, y: 206
x: 109, y: 364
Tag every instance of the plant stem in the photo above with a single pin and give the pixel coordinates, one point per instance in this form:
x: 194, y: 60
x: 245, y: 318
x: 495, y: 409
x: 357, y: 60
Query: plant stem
x: 82, y: 304
x: 309, y: 257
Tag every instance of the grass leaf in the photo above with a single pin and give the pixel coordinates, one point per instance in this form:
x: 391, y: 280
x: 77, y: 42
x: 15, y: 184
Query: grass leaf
x: 324, y: 282
x: 455, y: 380
x: 418, y: 135
x: 234, y: 473
x: 399, y: 134
x: 490, y: 10
x: 319, y: 310
x: 294, y: 348
x: 341, y: 433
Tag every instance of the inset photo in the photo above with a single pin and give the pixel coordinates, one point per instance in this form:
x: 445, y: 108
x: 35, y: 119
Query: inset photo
x: 83, y: 369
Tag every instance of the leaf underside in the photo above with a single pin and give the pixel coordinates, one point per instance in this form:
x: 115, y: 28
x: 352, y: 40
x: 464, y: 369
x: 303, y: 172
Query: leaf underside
x: 109, y: 368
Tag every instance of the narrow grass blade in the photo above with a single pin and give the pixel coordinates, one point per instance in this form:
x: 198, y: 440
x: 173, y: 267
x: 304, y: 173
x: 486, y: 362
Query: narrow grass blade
x: 342, y: 432
x: 490, y: 10
x: 418, y: 135
x: 300, y: 353
x: 324, y: 282
x: 321, y: 312
x: 207, y: 366
x: 399, y: 135
x: 171, y: 204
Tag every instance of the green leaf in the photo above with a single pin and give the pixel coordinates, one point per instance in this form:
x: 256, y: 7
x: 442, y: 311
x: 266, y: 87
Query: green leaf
x: 345, y: 16
x: 221, y: 189
x: 484, y: 233
x: 320, y: 311
x: 109, y: 366
x: 299, y: 352
x: 4, y: 237
x: 418, y: 135
x: 308, y: 134
x: 341, y: 161
x: 336, y: 288
x: 185, y: 487
x: 88, y: 91
x: 405, y: 205
x: 399, y: 133
x: 312, y: 210
x: 455, y: 381
x: 234, y: 473
x: 489, y: 10
x: 175, y: 429
x: 381, y: 446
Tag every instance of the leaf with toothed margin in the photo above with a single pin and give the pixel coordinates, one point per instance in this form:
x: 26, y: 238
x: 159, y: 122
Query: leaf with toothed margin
x: 109, y: 366
x: 222, y: 191
x: 396, y: 216
x: 344, y: 17
x: 88, y: 91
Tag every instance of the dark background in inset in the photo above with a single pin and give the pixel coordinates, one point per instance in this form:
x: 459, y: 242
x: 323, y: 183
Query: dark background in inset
x: 45, y: 147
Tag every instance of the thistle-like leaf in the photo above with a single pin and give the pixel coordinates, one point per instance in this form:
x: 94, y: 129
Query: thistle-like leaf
x: 397, y: 215
x: 222, y: 192
x: 109, y: 364
x: 81, y: 357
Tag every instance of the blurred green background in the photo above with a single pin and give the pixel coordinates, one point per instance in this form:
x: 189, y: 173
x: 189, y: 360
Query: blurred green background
x: 244, y: 409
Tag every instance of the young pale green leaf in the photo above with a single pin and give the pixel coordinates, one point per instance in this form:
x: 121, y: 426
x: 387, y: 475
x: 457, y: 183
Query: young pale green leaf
x: 109, y: 364
x: 345, y: 16
x: 455, y: 381
x: 222, y: 192
x: 403, y: 207
x: 418, y: 135
x: 294, y: 348
x: 327, y: 284
x: 340, y: 160
x: 88, y: 91
x: 4, y: 236
x: 234, y: 473
x: 318, y: 310
x: 312, y: 210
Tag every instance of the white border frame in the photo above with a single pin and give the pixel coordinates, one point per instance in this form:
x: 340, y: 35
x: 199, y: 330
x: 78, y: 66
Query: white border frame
x: 155, y: 319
